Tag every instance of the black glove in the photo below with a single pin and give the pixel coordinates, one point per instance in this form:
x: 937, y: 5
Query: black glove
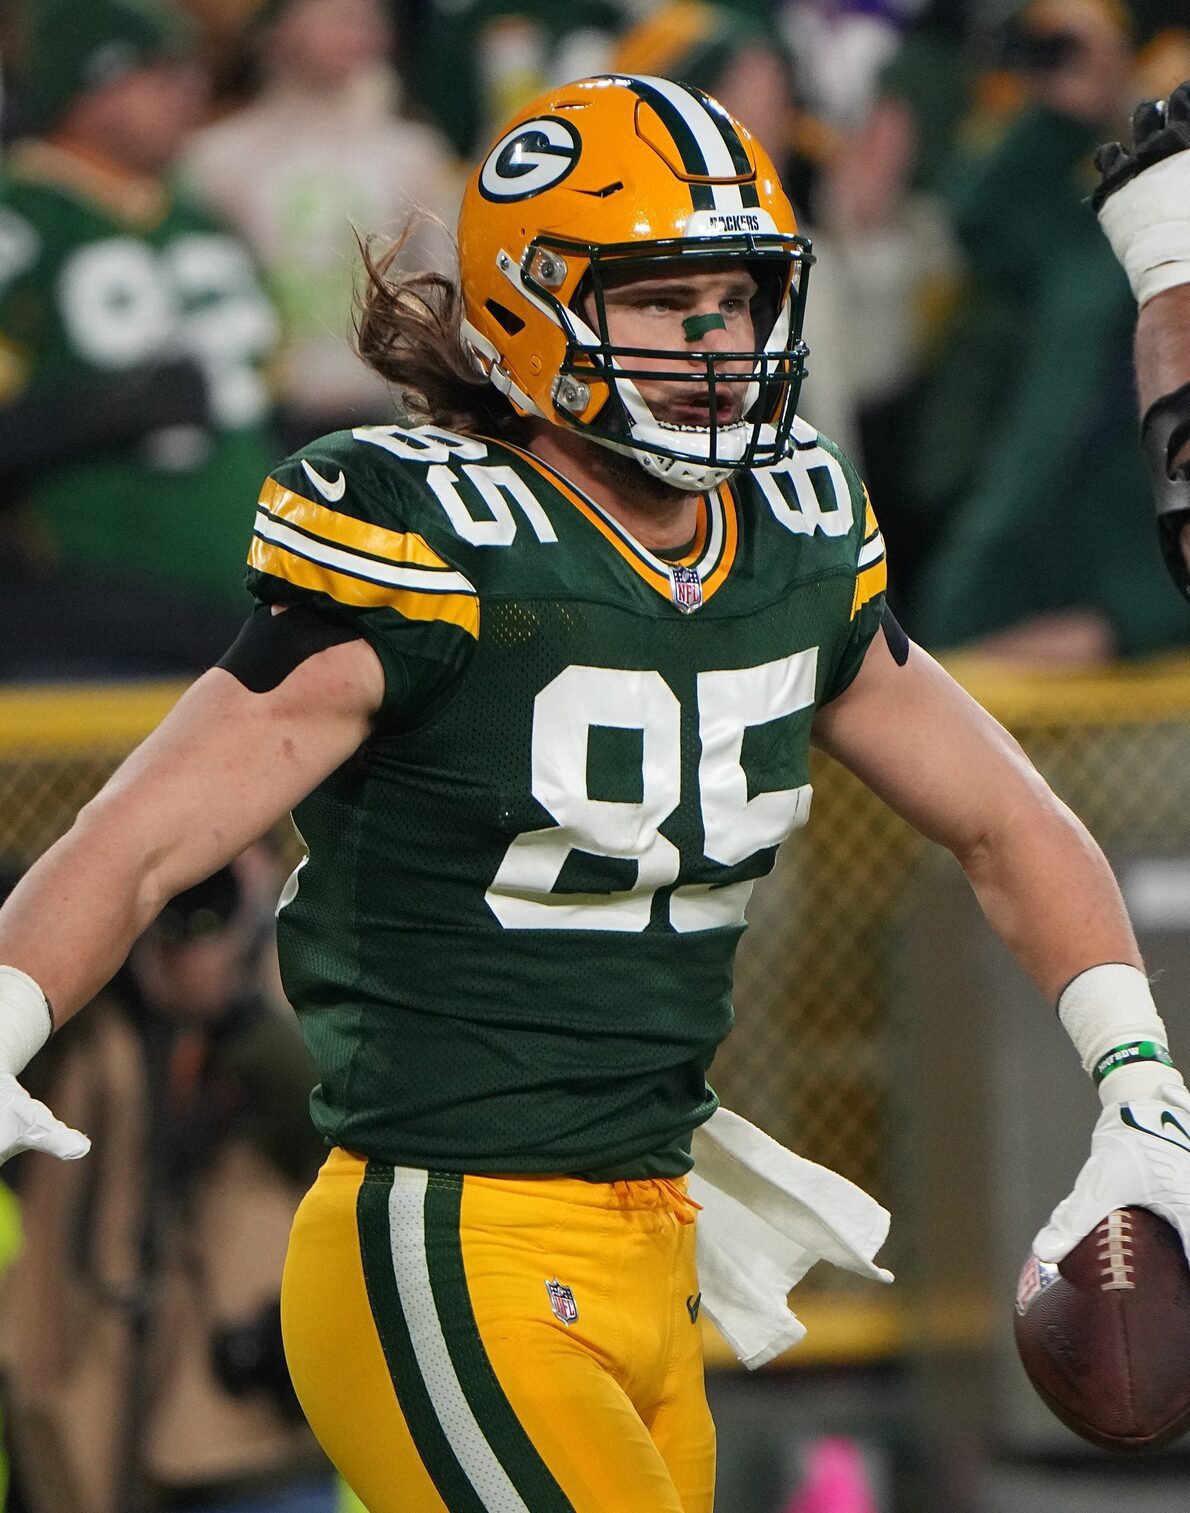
x: 1159, y: 129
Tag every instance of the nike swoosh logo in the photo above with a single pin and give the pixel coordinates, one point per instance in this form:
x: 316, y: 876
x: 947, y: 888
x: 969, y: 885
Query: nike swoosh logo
x: 693, y: 1304
x: 1167, y: 1120
x: 331, y: 492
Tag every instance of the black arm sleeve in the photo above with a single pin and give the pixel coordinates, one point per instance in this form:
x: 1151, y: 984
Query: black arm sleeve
x: 270, y: 645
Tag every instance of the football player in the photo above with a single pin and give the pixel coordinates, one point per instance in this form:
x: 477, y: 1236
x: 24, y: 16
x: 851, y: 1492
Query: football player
x: 539, y: 678
x: 1143, y: 201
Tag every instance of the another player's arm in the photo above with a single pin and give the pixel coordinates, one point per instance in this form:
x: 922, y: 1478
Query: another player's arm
x: 914, y: 737
x: 224, y: 766
x: 1163, y: 350
x: 1143, y: 204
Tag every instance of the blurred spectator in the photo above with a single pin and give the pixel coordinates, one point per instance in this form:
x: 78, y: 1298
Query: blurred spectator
x: 142, y: 1324
x: 317, y: 154
x: 839, y: 47
x: 1162, y: 30
x: 481, y: 60
x: 737, y: 56
x: 1027, y: 434
x: 895, y: 258
x: 133, y: 334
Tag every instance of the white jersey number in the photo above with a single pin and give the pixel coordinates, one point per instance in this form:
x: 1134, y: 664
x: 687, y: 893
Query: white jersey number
x: 735, y: 827
x: 124, y: 302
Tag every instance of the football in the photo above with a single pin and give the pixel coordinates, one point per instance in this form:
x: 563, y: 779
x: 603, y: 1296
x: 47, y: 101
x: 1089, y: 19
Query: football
x: 1104, y: 1336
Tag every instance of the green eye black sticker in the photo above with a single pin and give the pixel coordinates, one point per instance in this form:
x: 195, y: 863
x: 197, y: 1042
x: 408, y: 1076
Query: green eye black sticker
x: 530, y: 159
x: 695, y: 327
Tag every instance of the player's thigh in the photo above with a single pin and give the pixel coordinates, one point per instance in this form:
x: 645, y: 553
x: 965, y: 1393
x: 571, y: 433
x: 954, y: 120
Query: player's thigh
x: 682, y: 1429
x: 420, y: 1410
x: 335, y: 1354
x: 579, y: 1307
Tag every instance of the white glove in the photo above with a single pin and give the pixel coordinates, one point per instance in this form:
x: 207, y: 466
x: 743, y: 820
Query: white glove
x: 1140, y: 1157
x: 26, y: 1125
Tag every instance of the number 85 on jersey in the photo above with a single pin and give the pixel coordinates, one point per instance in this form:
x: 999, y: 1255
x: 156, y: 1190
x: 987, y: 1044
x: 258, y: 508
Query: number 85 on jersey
x: 735, y: 828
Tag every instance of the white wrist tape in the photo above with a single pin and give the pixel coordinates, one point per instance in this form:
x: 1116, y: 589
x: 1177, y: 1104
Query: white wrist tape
x: 1112, y: 1006
x: 1147, y: 222
x: 25, y: 1023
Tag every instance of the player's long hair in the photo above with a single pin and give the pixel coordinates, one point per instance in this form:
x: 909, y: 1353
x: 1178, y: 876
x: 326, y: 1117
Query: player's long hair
x: 408, y: 329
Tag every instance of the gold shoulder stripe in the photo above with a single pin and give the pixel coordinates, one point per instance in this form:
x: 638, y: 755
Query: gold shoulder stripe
x: 871, y: 552
x: 870, y: 523
x: 873, y: 581
x: 414, y: 604
x: 346, y: 530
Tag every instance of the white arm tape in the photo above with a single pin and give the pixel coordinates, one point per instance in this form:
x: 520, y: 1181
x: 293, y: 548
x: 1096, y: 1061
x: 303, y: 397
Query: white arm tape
x: 1147, y: 222
x: 25, y: 1023
x: 1108, y: 1006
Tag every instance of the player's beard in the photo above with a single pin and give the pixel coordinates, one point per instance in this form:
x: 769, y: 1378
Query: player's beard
x: 627, y: 475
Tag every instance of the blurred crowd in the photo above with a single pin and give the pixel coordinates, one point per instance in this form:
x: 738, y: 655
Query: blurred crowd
x: 184, y: 184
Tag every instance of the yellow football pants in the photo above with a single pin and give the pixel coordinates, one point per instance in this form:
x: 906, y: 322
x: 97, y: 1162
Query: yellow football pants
x: 466, y: 1344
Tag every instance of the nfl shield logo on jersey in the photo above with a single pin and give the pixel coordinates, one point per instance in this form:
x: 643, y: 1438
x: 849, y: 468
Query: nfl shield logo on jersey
x: 685, y: 587
x: 562, y: 1302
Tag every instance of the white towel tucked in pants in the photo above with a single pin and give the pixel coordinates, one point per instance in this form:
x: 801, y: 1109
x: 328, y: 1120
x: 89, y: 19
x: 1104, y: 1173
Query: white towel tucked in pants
x: 767, y: 1216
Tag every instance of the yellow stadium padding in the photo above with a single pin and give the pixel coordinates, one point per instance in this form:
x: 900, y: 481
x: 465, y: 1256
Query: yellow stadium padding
x: 69, y: 718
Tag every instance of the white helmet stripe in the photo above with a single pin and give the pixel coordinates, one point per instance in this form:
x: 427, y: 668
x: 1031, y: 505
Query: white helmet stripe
x: 696, y: 118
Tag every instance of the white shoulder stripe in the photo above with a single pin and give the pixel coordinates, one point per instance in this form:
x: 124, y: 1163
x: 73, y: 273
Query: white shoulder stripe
x: 407, y: 1237
x: 871, y: 551
x: 427, y: 579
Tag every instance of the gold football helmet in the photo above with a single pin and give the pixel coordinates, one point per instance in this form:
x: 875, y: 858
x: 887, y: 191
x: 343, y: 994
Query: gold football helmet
x: 612, y: 178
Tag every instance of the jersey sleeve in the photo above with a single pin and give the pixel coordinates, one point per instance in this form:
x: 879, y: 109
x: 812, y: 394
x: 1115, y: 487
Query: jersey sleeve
x: 332, y: 534
x: 871, y: 582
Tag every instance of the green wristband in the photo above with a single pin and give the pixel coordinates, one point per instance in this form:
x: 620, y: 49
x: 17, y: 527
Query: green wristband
x: 1129, y: 1055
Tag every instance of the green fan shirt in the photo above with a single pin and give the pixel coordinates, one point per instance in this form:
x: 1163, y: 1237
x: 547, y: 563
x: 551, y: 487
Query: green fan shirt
x: 92, y: 282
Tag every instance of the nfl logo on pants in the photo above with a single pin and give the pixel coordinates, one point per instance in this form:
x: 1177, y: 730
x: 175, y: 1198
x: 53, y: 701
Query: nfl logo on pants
x: 562, y: 1302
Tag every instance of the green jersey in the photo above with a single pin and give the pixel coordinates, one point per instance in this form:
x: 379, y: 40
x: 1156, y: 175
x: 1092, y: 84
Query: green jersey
x: 98, y: 277
x: 511, y: 943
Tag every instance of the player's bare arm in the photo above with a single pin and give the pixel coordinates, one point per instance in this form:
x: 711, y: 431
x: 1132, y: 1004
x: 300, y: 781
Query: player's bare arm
x: 1163, y: 369
x: 1163, y: 350
x: 947, y: 766
x: 943, y: 763
x: 223, y: 767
